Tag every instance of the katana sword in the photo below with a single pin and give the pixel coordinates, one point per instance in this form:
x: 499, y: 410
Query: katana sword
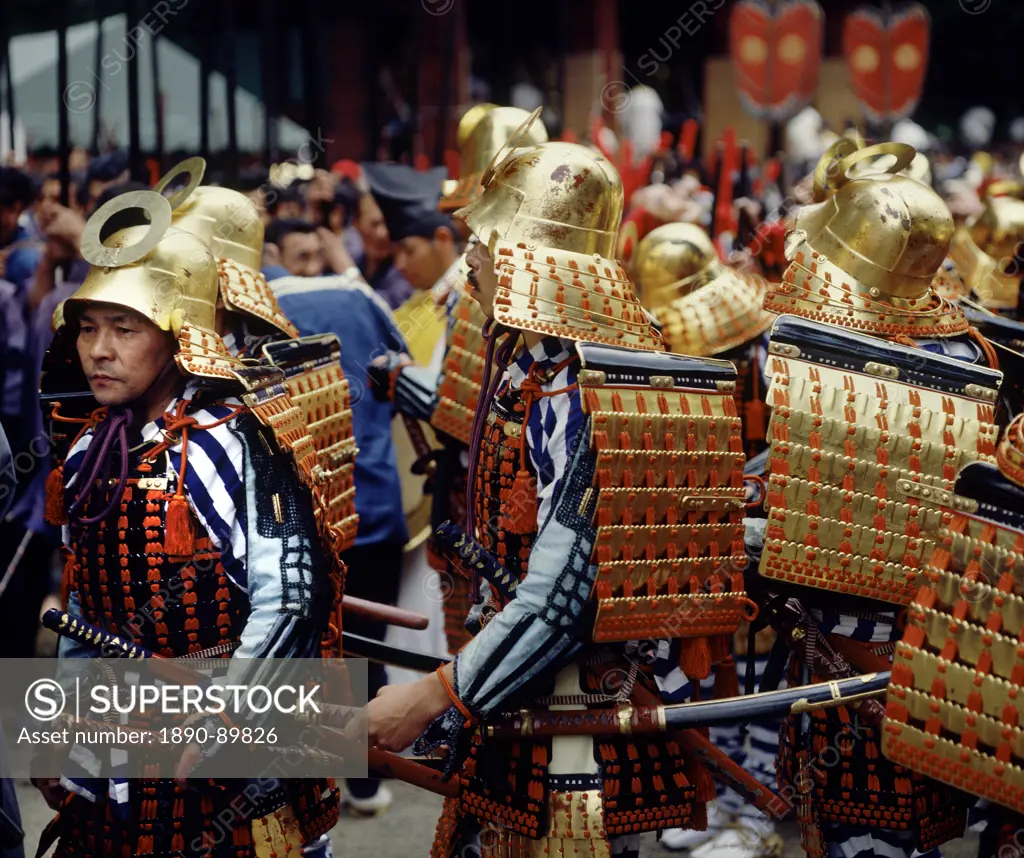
x: 384, y: 762
x: 475, y: 558
x: 626, y: 718
x: 114, y: 645
x: 360, y: 647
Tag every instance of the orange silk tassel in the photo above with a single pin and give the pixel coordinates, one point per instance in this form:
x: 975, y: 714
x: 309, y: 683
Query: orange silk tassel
x: 55, y: 512
x: 727, y: 682
x: 519, y: 514
x: 695, y: 658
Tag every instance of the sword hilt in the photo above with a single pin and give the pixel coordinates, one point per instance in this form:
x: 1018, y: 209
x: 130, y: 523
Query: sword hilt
x: 85, y: 633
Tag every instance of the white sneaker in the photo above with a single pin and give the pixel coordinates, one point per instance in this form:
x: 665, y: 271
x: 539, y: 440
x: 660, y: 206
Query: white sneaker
x: 376, y: 804
x: 678, y: 839
x: 742, y: 841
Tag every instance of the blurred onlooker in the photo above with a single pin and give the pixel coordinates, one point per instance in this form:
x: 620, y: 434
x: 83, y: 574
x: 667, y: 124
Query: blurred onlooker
x: 423, y: 239
x: 254, y: 183
x: 295, y: 246
x: 298, y: 247
x: 286, y: 203
x: 320, y: 196
x: 60, y: 228
x: 19, y: 252
x: 369, y: 243
x: 345, y: 306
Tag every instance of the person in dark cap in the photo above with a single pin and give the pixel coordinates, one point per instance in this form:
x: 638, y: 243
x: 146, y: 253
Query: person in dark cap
x: 423, y: 239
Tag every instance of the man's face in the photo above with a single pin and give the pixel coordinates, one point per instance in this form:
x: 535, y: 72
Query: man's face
x: 302, y: 255
x: 122, y: 352
x: 420, y: 261
x: 482, y: 279
x: 372, y: 228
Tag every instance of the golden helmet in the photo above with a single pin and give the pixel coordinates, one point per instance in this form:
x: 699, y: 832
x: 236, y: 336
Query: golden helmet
x: 482, y: 132
x: 986, y: 250
x: 470, y: 119
x: 549, y: 215
x: 865, y: 254
x: 674, y: 260
x: 705, y: 308
x: 229, y: 222
x: 139, y: 261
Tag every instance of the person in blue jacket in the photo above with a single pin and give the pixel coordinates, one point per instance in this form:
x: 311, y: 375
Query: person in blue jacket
x: 346, y: 306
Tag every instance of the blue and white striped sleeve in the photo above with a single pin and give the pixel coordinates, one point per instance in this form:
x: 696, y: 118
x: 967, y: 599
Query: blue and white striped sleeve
x: 215, y: 491
x: 542, y: 628
x: 555, y: 422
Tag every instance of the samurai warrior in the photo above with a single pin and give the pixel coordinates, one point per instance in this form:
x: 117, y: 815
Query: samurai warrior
x: 586, y: 439
x: 187, y: 529
x: 881, y: 392
x: 446, y: 395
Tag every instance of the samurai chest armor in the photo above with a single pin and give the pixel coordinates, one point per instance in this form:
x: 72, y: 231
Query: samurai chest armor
x: 129, y: 585
x: 174, y: 606
x: 953, y: 707
x: 867, y: 438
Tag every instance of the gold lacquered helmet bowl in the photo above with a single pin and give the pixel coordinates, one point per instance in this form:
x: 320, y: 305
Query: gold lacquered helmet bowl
x: 230, y: 224
x: 549, y: 215
x: 865, y: 256
x: 705, y: 307
x: 989, y: 251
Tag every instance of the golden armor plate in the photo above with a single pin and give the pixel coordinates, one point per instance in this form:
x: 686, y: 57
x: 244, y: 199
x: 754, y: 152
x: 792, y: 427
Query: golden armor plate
x: 669, y: 495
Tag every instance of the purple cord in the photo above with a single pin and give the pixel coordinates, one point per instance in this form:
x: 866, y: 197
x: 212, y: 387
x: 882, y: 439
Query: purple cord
x: 111, y: 433
x: 488, y: 389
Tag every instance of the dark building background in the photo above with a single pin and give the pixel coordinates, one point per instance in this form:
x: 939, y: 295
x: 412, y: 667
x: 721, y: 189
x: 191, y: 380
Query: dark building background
x: 390, y: 78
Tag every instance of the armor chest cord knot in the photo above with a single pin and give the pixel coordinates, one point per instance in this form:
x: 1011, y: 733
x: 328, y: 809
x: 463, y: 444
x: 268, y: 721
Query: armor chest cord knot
x: 180, y: 538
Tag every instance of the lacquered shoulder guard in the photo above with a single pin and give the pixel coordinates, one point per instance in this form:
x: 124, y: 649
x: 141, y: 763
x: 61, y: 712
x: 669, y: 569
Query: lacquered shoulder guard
x: 867, y: 438
x: 953, y: 709
x: 670, y: 496
x: 458, y: 389
x: 318, y: 401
